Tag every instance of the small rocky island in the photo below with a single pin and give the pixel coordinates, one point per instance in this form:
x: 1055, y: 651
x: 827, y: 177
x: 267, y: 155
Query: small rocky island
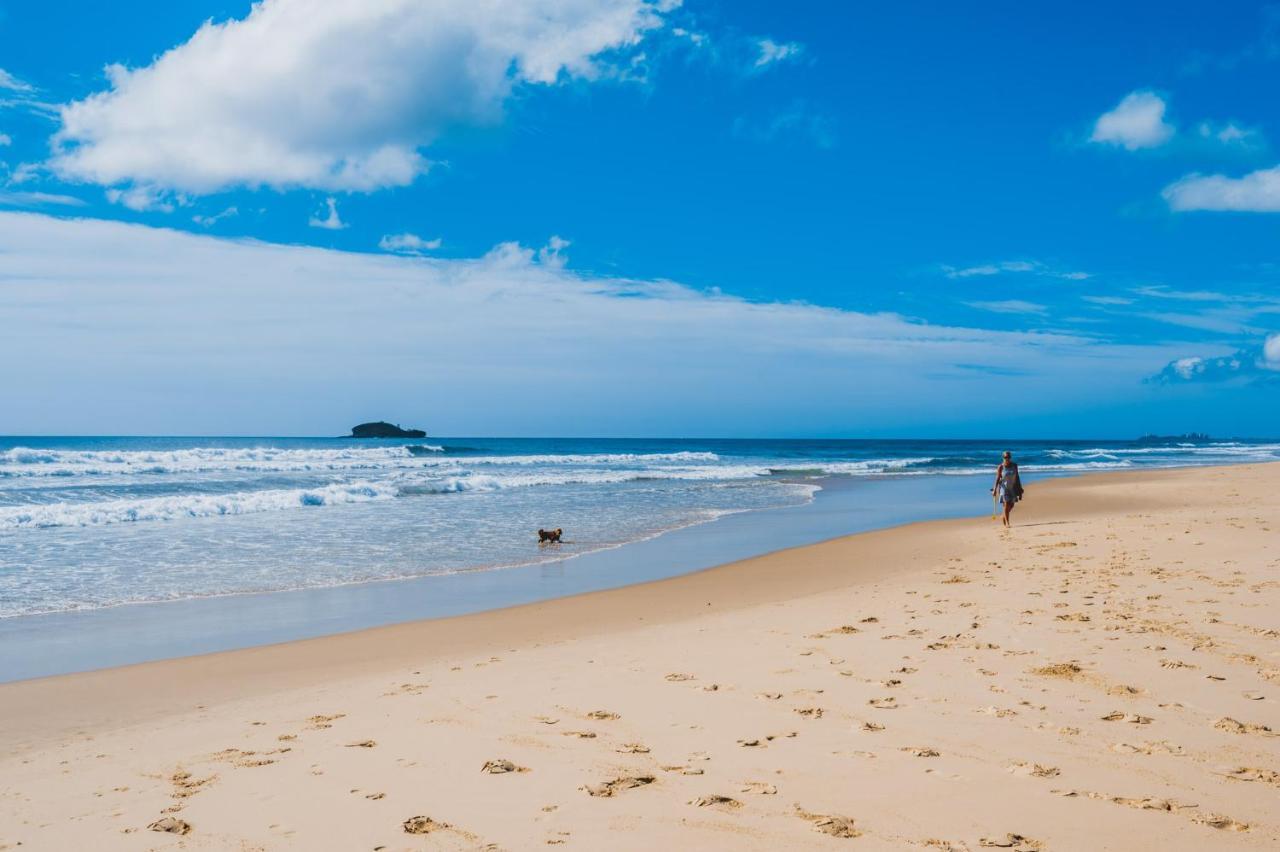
x: 382, y: 429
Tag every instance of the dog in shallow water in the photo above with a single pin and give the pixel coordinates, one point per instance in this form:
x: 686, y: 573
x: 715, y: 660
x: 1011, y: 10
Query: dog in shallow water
x: 550, y: 536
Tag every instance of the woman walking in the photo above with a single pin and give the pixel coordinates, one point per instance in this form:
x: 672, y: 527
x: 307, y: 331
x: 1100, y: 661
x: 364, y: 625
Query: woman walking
x: 1008, y: 485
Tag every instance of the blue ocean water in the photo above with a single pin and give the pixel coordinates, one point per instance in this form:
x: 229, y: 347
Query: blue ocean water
x: 87, y: 523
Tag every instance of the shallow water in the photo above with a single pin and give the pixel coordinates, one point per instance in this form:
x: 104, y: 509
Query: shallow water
x: 87, y: 523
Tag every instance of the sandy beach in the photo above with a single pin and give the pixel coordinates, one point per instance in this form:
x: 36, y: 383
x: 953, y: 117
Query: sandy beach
x: 1105, y: 675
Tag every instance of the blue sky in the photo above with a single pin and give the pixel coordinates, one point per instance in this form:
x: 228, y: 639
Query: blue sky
x: 709, y: 218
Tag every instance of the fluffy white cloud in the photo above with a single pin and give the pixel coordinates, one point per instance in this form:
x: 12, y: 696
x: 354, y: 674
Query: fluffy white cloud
x: 408, y: 243
x: 5, y: 139
x: 191, y: 332
x: 1136, y: 122
x: 771, y: 51
x: 331, y: 221
x: 338, y: 95
x: 1256, y: 192
x: 1258, y: 363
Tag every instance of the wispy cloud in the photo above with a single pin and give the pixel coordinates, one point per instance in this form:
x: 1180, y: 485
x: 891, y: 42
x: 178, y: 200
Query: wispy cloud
x: 210, y: 220
x: 626, y: 354
x: 38, y: 199
x: 772, y: 52
x: 1108, y: 300
x: 1230, y: 134
x: 330, y: 221
x: 1136, y: 122
x: 800, y: 120
x: 1032, y: 267
x: 144, y: 198
x: 13, y: 84
x: 1009, y: 306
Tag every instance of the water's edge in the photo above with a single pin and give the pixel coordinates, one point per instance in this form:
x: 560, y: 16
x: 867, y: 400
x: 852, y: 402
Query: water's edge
x: 65, y: 642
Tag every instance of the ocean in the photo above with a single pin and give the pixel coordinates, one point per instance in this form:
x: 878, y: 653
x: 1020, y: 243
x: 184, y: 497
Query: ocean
x: 91, y: 523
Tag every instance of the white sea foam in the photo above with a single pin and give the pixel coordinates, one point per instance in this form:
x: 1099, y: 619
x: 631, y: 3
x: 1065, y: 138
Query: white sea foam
x: 27, y: 462
x: 189, y: 506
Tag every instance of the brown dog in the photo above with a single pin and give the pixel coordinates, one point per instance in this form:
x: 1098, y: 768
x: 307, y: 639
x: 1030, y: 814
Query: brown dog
x: 550, y: 536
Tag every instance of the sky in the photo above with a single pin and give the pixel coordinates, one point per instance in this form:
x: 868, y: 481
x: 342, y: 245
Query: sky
x: 640, y: 218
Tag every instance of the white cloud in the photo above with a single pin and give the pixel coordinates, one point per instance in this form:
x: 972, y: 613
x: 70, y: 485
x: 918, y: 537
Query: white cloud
x: 1257, y: 363
x: 1009, y: 306
x: 552, y: 253
x: 1228, y: 134
x: 331, y: 221
x: 408, y: 243
x: 1108, y: 300
x: 1015, y: 266
x: 191, y: 332
x: 38, y: 199
x: 5, y: 139
x: 13, y: 84
x: 338, y: 95
x: 143, y: 198
x: 771, y: 52
x: 209, y: 221
x: 1256, y: 192
x: 1136, y: 122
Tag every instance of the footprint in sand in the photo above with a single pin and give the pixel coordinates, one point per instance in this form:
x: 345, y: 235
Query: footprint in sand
x: 321, y: 722
x: 362, y: 744
x: 762, y: 788
x: 171, y: 825
x: 1132, y: 718
x: 921, y: 751
x: 836, y: 826
x: 810, y: 712
x: 1034, y: 770
x: 679, y: 677
x: 1016, y: 842
x: 1249, y: 773
x: 1233, y: 726
x: 603, y: 715
x: 423, y: 825
x: 1220, y: 822
x: 501, y: 767
x: 632, y: 748
x: 608, y: 789
x: 716, y: 801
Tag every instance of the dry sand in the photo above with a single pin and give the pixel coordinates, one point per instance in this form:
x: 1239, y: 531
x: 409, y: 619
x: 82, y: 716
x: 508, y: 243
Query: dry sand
x: 1104, y: 676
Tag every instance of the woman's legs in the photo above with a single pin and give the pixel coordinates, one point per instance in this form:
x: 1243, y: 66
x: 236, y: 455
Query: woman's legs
x: 1008, y: 507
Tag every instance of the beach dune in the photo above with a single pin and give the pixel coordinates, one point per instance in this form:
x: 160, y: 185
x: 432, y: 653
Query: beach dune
x: 1105, y: 675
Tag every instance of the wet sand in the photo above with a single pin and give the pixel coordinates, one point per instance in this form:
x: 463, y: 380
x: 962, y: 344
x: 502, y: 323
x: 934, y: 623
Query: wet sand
x: 1103, y: 676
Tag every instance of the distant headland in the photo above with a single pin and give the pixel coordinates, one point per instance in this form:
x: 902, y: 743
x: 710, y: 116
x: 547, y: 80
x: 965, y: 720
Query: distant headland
x: 382, y: 429
x: 1168, y: 439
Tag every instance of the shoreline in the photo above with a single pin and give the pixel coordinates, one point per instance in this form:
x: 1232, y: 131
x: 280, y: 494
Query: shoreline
x: 350, y: 651
x: 45, y: 644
